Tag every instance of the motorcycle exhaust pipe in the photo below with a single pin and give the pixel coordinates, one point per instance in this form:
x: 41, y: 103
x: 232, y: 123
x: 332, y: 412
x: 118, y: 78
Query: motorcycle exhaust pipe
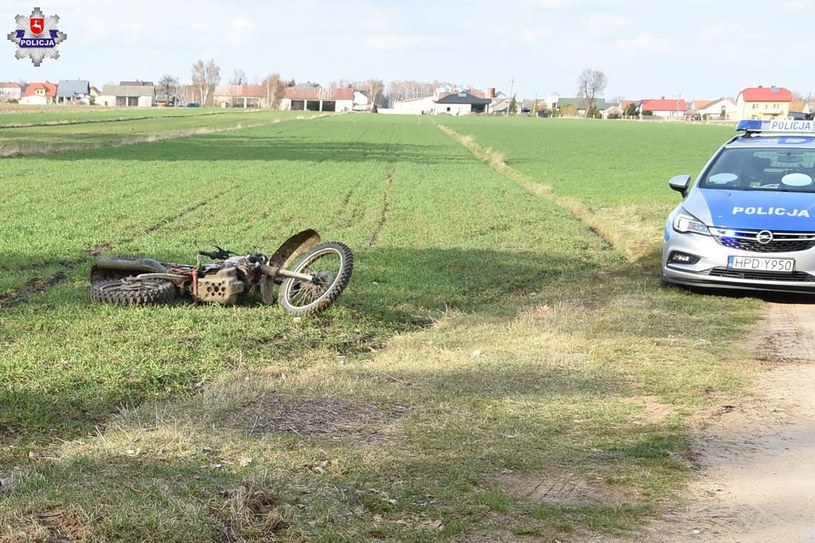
x: 130, y: 264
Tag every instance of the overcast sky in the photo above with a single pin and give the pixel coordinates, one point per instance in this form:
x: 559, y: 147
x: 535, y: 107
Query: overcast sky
x: 647, y: 49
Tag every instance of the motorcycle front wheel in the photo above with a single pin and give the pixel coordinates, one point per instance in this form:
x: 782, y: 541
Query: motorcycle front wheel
x: 331, y: 265
x: 131, y: 291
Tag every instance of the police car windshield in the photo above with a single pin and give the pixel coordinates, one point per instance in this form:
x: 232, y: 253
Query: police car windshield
x: 767, y: 169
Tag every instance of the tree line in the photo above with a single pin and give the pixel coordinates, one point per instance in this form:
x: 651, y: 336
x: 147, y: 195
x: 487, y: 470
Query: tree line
x: 206, y: 75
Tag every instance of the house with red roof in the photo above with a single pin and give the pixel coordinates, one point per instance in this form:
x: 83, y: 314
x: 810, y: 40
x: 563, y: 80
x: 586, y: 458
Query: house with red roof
x: 39, y: 94
x: 664, y: 108
x: 763, y: 103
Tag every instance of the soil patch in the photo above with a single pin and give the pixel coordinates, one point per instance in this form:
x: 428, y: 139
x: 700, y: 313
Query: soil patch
x: 565, y: 490
x: 754, y: 461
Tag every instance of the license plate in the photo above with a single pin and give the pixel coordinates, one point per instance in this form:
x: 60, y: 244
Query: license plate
x: 783, y: 265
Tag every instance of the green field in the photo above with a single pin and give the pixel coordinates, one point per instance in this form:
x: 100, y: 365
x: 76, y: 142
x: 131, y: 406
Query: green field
x: 494, y: 339
x: 55, y: 130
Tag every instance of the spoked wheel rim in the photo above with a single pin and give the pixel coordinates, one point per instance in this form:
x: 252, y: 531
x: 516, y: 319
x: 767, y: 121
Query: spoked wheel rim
x: 325, y: 269
x: 303, y: 293
x: 330, y: 265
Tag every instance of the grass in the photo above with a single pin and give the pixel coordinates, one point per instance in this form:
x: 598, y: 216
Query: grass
x: 490, y: 344
x: 612, y: 175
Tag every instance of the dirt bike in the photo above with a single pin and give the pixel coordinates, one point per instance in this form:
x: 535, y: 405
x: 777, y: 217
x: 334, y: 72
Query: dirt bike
x: 308, y: 284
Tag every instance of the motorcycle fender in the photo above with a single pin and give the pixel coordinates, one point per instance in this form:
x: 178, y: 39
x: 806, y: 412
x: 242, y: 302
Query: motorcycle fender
x: 293, y: 246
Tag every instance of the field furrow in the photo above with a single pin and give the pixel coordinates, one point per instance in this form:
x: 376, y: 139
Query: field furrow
x: 385, y: 208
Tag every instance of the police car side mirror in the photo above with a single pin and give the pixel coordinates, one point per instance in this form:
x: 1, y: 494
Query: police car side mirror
x: 680, y: 183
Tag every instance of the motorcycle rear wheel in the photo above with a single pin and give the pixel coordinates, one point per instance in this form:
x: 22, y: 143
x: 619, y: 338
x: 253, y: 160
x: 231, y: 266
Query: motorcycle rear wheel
x: 331, y: 265
x: 131, y: 291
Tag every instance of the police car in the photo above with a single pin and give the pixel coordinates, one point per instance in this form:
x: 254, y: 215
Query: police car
x: 748, y: 222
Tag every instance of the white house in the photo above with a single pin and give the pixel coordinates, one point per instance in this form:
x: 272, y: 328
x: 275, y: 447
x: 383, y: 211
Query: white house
x: 73, y: 91
x: 362, y: 102
x: 717, y: 110
x: 462, y: 103
x: 10, y: 91
x: 664, y: 108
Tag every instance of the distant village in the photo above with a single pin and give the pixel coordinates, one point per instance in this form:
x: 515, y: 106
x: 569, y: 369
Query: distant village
x: 760, y: 102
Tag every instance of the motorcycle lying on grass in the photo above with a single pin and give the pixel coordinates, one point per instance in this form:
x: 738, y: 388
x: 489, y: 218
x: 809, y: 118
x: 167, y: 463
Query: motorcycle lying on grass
x: 307, y: 284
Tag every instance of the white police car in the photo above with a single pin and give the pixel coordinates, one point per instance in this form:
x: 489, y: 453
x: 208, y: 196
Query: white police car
x: 748, y: 222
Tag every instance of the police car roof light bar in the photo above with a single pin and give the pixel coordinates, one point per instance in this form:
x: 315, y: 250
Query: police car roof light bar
x: 757, y: 125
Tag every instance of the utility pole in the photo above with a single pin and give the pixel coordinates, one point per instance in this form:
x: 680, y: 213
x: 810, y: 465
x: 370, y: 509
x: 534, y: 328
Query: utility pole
x: 509, y: 98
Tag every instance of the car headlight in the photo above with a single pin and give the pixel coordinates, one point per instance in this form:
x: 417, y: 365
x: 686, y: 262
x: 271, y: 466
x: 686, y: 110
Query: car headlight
x: 689, y: 223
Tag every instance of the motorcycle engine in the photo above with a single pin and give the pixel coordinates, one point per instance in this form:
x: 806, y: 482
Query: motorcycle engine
x: 222, y: 287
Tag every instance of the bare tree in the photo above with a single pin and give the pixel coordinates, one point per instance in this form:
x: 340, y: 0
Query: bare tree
x: 187, y: 94
x: 239, y: 78
x: 373, y: 88
x: 168, y: 86
x: 407, y: 90
x: 204, y: 78
x: 273, y: 88
x: 590, y: 85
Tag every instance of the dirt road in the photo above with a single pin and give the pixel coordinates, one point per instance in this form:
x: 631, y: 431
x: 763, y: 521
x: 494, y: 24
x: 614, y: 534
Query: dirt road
x: 757, y: 461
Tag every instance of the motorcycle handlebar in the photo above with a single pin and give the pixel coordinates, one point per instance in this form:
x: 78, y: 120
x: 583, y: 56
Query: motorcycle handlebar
x: 218, y: 254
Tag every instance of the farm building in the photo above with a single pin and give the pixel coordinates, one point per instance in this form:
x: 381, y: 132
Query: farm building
x: 128, y: 94
x: 415, y: 106
x: 242, y: 96
x: 317, y: 99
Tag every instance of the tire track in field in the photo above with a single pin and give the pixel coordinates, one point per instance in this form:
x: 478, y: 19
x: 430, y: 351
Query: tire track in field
x: 342, y: 217
x: 39, y: 285
x: 575, y: 207
x: 386, y: 207
x: 348, y: 214
x: 158, y: 225
x: 34, y: 286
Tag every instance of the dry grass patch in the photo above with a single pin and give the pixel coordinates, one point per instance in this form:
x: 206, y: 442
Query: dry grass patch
x: 242, y: 513
x: 67, y: 524
x: 333, y: 418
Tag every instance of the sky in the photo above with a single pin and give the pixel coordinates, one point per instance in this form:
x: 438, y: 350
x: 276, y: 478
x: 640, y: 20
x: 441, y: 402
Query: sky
x: 693, y: 49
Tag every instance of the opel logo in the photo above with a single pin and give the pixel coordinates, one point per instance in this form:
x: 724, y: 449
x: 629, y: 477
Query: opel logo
x: 764, y: 237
